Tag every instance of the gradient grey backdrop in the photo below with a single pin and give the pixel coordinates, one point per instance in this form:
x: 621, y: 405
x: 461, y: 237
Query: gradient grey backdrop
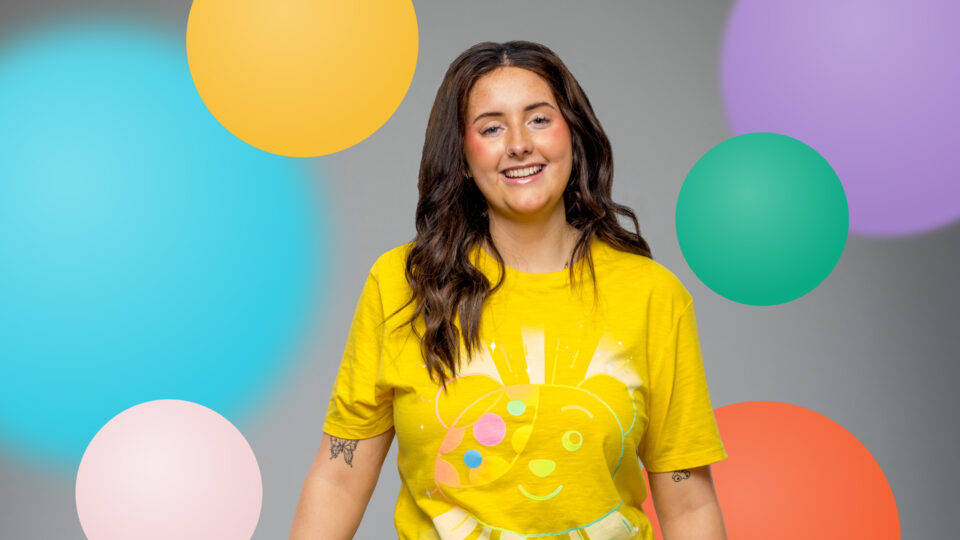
x: 874, y: 347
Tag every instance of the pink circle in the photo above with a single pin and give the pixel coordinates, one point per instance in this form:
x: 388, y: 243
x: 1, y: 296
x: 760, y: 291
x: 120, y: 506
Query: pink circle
x: 490, y: 429
x: 169, y: 469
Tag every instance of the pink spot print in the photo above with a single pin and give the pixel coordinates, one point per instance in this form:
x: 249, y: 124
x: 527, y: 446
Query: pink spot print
x: 445, y: 474
x: 490, y: 429
x: 452, y: 440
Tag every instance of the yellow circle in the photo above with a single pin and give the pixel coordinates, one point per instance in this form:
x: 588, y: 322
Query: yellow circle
x: 520, y: 438
x: 302, y: 78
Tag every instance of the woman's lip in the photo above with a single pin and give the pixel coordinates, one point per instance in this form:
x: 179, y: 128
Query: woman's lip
x: 525, y: 180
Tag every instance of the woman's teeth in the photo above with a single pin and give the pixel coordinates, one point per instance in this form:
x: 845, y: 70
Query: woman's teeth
x: 520, y: 173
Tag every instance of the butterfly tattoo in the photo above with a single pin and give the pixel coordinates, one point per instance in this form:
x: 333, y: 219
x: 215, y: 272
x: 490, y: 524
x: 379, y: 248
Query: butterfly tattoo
x: 342, y: 446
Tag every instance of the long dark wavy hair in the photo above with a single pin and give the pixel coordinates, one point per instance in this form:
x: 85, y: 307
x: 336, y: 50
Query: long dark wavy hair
x: 452, y: 212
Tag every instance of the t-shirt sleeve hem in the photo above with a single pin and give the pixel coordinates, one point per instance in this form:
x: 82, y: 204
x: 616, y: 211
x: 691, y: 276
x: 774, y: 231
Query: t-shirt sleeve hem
x: 354, y: 433
x: 687, y: 461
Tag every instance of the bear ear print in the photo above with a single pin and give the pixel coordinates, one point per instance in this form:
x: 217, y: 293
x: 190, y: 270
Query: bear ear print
x: 616, y: 395
x: 466, y: 398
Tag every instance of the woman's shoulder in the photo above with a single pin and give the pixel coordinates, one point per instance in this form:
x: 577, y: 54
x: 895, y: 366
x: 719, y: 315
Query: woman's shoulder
x: 390, y: 259
x: 389, y: 269
x: 641, y: 273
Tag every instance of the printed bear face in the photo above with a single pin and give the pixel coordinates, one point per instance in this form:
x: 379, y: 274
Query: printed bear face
x: 537, y: 448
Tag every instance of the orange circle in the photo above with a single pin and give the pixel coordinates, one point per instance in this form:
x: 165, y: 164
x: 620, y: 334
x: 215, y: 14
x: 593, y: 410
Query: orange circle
x: 302, y: 77
x: 795, y: 474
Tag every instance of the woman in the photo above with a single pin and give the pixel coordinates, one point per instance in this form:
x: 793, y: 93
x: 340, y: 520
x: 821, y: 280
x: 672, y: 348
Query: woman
x: 525, y: 349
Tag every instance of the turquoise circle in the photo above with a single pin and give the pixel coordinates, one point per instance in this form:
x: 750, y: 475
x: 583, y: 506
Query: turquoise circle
x: 472, y: 459
x: 516, y: 407
x: 762, y: 219
x: 145, y: 252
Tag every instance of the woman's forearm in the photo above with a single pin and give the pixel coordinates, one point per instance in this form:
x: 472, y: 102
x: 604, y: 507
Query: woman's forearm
x: 338, y: 487
x: 702, y: 523
x: 326, y: 511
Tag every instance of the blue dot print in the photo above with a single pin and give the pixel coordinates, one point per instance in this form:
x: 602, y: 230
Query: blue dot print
x: 472, y: 459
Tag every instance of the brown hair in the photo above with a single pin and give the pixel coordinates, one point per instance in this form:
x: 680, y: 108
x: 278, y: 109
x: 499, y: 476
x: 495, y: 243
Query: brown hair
x: 451, y: 211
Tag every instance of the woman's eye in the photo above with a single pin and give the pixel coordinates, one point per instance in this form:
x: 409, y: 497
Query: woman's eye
x: 541, y: 120
x: 490, y: 130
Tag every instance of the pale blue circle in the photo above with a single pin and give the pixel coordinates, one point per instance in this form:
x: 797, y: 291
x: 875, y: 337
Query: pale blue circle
x: 472, y: 459
x: 145, y: 252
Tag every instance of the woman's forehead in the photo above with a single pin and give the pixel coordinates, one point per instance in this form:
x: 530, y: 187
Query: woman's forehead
x: 508, y: 89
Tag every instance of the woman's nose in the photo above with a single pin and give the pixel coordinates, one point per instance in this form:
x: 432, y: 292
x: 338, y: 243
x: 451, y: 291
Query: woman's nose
x: 518, y: 143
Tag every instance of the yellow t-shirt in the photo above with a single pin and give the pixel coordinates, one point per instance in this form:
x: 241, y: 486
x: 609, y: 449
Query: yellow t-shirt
x: 539, y: 435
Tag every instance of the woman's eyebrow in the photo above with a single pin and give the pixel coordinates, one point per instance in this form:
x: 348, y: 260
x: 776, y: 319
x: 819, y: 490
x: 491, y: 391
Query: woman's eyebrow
x: 525, y: 109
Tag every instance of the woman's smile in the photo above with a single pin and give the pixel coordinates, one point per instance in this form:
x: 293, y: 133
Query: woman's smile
x: 519, y: 176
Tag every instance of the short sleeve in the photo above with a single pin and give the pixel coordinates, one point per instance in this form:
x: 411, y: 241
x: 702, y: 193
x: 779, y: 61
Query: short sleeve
x: 359, y: 407
x: 682, y: 430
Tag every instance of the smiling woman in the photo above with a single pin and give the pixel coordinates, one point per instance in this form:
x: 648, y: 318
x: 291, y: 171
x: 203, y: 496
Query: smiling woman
x: 518, y: 137
x: 519, y: 403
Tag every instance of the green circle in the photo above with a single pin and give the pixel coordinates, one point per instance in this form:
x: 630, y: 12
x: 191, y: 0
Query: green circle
x: 762, y: 219
x: 516, y: 407
x: 568, y: 443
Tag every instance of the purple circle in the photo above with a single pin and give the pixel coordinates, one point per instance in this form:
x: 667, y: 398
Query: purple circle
x: 490, y: 429
x: 872, y: 85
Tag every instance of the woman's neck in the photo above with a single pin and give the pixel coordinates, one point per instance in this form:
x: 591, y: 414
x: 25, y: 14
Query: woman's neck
x: 536, y: 247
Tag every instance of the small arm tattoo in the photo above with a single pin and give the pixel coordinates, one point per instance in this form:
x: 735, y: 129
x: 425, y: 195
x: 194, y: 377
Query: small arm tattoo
x: 679, y: 476
x: 342, y: 446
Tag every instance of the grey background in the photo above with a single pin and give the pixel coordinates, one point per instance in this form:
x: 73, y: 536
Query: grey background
x: 874, y: 347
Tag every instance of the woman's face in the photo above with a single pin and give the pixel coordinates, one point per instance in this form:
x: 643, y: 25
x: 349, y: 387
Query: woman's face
x: 517, y: 144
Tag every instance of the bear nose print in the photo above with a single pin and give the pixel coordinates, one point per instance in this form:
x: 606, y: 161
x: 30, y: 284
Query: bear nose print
x: 542, y: 467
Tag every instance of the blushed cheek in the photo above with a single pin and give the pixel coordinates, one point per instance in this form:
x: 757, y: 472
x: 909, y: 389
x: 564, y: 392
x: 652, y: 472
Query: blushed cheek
x: 556, y: 141
x: 478, y: 151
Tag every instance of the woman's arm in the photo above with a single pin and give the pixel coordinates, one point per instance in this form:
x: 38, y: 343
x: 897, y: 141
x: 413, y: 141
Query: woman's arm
x: 338, y: 487
x: 687, y: 505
